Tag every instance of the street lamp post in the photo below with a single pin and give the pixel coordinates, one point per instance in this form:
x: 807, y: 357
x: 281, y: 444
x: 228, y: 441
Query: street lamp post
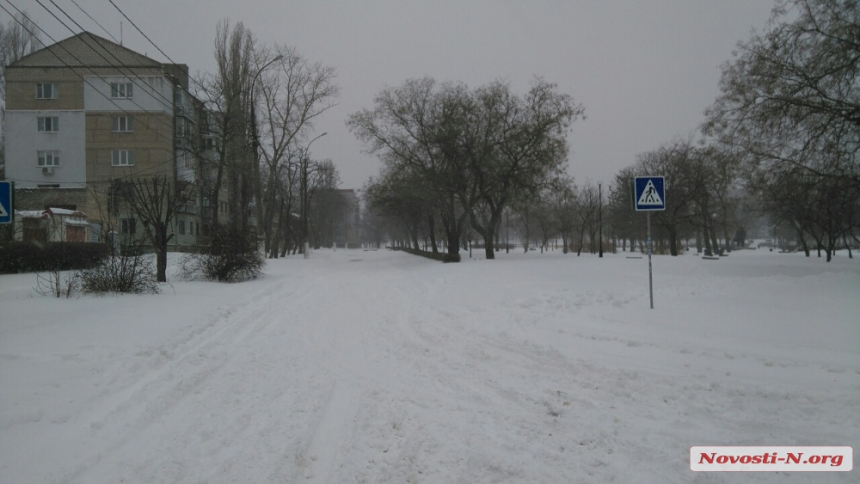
x: 305, y: 200
x: 258, y: 186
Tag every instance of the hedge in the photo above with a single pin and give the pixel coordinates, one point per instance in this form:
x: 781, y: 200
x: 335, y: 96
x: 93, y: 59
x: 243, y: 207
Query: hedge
x: 17, y: 257
x: 440, y: 256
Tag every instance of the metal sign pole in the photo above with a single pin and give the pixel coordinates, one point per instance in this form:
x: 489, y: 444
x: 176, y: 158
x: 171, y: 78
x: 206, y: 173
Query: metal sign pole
x: 650, y: 279
x: 649, y: 194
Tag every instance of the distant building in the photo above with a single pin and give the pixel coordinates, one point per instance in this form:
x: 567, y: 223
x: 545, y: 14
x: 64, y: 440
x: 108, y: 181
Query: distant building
x: 50, y: 225
x: 86, y: 116
x: 349, y: 234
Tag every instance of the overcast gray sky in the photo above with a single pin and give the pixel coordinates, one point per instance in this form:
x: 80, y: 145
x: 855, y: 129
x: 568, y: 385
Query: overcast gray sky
x: 644, y: 69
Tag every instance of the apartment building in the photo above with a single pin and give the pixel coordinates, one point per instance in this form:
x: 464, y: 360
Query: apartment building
x: 85, y: 117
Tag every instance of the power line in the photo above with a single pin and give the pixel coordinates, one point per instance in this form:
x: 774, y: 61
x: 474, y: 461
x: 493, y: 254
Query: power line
x: 94, y: 20
x: 49, y: 48
x: 168, y: 102
x: 74, y: 71
x: 198, y: 81
x: 141, y: 32
x: 132, y: 101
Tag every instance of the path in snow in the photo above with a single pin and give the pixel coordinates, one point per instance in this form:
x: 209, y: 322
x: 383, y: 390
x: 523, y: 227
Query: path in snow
x: 383, y: 367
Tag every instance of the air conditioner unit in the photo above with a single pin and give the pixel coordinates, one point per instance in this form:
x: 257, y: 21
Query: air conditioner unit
x: 47, y: 170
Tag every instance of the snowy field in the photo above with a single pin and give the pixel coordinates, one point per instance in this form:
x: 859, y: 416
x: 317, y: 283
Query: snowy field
x: 363, y: 366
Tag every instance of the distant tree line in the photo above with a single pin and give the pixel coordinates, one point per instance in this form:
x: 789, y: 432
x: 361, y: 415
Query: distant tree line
x: 789, y: 115
x: 455, y: 159
x: 781, y: 140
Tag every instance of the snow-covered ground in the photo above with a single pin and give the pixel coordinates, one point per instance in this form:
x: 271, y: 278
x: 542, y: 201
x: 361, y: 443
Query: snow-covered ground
x: 378, y: 366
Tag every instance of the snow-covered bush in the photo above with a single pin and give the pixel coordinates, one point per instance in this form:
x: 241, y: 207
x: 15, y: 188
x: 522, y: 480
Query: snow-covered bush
x: 128, y: 272
x: 232, y: 256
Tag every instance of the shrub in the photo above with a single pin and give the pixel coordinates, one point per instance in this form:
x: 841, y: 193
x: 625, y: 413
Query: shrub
x: 128, y: 272
x: 56, y: 283
x: 17, y: 257
x: 231, y: 257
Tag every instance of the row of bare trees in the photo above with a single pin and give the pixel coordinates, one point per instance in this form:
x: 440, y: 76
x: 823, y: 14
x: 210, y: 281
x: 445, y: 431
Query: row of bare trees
x: 456, y: 158
x: 254, y: 117
x: 704, y: 201
x: 264, y: 102
x: 781, y: 140
x: 789, y: 113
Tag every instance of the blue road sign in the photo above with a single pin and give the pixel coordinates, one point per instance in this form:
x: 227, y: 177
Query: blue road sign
x: 7, y: 211
x: 650, y: 193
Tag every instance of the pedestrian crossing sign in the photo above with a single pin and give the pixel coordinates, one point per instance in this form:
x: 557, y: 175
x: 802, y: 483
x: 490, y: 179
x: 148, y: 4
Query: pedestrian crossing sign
x: 6, y: 208
x: 650, y: 193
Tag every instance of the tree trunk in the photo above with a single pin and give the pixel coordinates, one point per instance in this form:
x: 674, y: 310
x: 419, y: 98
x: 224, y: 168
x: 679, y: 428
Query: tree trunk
x: 673, y: 241
x: 431, y: 222
x: 492, y: 228
x: 414, y: 235
x: 706, y: 236
x: 803, y: 243
x: 581, y: 239
x: 714, y: 242
x: 161, y: 255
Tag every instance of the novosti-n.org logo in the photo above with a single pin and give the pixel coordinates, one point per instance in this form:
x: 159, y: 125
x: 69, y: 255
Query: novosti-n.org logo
x: 771, y: 459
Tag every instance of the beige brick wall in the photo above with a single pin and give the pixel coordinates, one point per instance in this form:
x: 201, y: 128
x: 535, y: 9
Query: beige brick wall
x: 42, y: 198
x: 151, y: 141
x: 21, y: 85
x: 21, y: 89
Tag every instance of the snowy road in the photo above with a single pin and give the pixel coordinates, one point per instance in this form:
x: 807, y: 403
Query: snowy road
x: 360, y: 366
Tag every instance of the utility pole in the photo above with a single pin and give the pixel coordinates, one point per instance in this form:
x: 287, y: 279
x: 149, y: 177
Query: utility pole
x: 600, y: 215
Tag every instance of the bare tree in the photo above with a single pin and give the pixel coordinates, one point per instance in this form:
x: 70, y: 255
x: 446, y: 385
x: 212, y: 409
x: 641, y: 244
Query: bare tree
x: 561, y: 200
x: 155, y: 202
x: 226, y: 97
x: 476, y: 150
x: 19, y: 37
x: 294, y: 93
x: 420, y: 132
x: 790, y: 99
x: 520, y: 145
x: 586, y: 208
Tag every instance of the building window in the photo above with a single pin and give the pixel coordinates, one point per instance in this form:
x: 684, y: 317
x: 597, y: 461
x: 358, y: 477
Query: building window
x: 122, y: 157
x: 184, y: 160
x: 127, y: 226
x: 46, y: 90
x: 49, y: 158
x: 180, y: 227
x: 191, y: 228
x: 122, y: 124
x: 121, y: 90
x: 48, y: 124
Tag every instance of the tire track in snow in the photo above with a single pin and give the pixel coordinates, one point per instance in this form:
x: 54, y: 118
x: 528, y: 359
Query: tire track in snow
x: 150, y: 398
x: 332, y: 434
